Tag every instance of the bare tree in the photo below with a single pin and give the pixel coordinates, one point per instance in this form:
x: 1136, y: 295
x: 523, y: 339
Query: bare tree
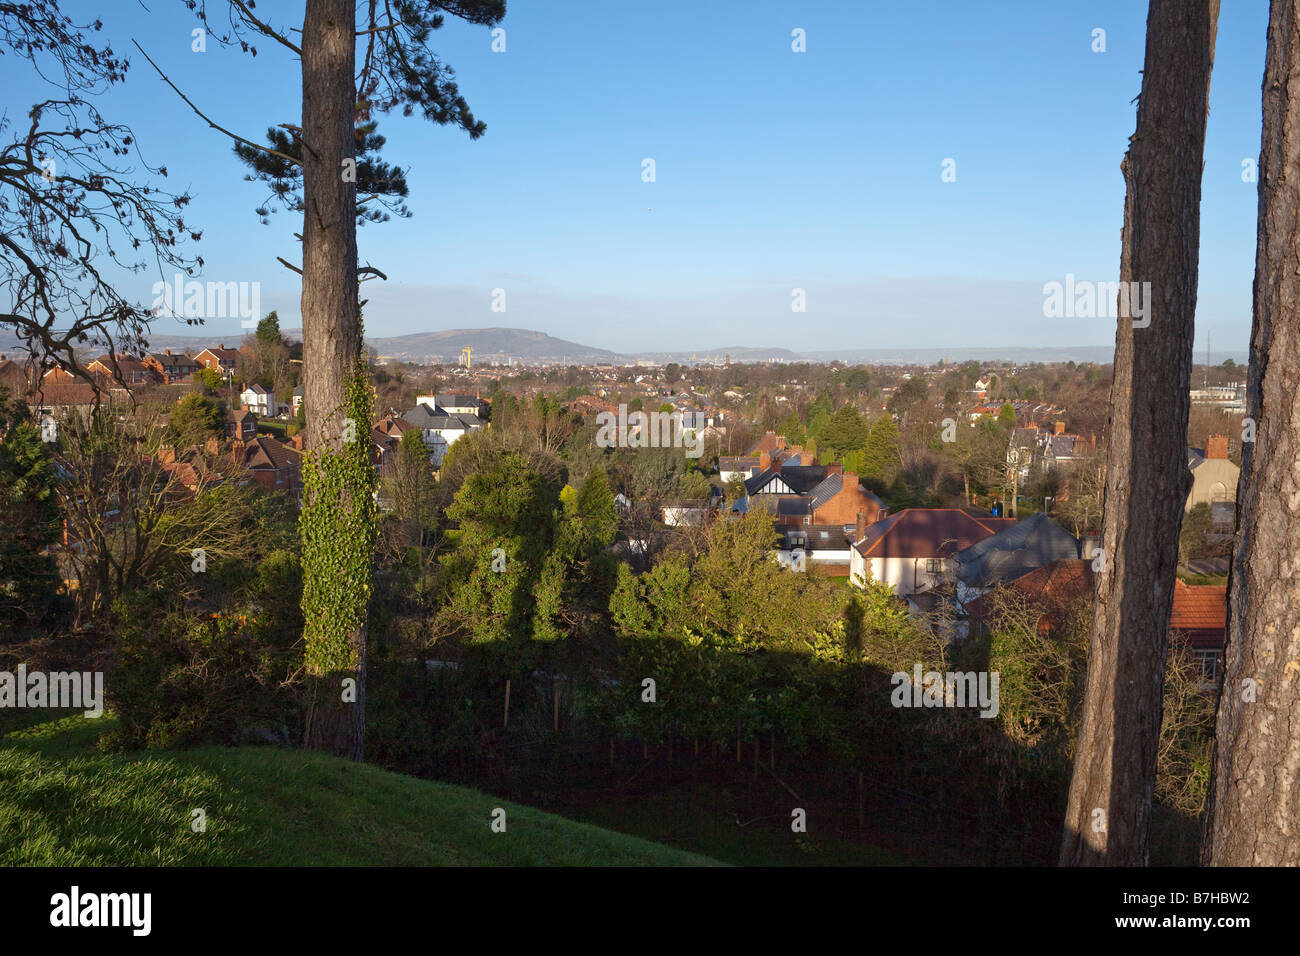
x: 1147, y: 479
x: 1254, y: 802
x: 70, y: 202
x: 135, y: 516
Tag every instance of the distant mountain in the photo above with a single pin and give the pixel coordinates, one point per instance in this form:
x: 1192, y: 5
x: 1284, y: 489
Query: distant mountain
x: 530, y: 347
x: 491, y: 345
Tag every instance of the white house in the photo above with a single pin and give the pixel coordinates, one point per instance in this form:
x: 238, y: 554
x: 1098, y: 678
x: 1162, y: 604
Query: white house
x: 913, y: 550
x: 257, y: 399
x: 440, y: 428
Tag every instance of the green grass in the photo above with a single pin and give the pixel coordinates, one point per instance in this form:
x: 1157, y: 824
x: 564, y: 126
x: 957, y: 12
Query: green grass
x: 64, y: 803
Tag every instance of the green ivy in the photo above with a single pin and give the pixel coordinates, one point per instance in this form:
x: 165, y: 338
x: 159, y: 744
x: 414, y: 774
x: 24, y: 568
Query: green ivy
x: 337, y: 527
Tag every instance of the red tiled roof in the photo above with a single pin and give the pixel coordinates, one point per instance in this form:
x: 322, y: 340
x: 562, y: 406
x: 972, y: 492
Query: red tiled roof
x: 1200, y: 610
x: 1199, y: 607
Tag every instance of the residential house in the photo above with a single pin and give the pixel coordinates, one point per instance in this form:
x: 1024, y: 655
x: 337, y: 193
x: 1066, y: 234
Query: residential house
x: 1063, y: 449
x: 132, y: 370
x: 259, y: 400
x: 59, y: 376
x: 241, y: 424
x: 454, y: 404
x: 275, y: 465
x: 17, y: 378
x: 808, y: 494
x: 1022, y: 448
x: 297, y: 399
x: 219, y: 357
x: 1011, y: 553
x: 440, y: 428
x: 1198, y: 619
x: 913, y: 550
x: 688, y: 512
x: 1214, y: 480
x: 826, y: 547
x: 59, y: 400
x: 172, y: 366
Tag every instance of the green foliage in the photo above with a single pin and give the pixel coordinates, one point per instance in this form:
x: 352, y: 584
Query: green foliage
x: 881, y: 456
x: 268, y: 329
x: 507, y: 516
x: 1007, y: 416
x: 29, y: 578
x: 194, y: 420
x: 338, y: 526
x: 692, y: 486
x: 792, y: 429
x: 184, y: 678
x: 846, y: 431
x: 210, y: 379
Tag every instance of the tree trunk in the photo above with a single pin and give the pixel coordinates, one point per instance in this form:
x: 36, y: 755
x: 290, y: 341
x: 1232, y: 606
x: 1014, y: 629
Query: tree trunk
x: 1108, y: 816
x: 331, y: 345
x: 1253, y: 816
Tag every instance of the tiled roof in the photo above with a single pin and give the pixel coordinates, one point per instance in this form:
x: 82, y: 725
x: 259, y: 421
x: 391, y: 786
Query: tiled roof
x: 1015, y: 550
x: 923, y: 533
x: 829, y: 487
x: 422, y: 417
x: 1199, y: 607
x: 172, y: 360
x: 801, y: 479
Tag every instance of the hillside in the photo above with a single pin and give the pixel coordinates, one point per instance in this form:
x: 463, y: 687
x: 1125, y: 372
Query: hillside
x: 63, y: 803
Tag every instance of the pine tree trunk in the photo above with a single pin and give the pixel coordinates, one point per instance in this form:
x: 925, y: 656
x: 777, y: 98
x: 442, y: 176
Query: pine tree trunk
x: 1108, y: 817
x: 1253, y: 816
x: 330, y: 320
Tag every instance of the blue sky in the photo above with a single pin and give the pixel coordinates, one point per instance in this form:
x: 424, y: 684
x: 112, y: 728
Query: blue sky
x: 774, y: 170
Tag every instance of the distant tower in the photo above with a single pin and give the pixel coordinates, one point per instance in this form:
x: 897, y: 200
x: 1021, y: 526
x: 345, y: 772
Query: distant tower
x: 468, y: 352
x: 728, y: 358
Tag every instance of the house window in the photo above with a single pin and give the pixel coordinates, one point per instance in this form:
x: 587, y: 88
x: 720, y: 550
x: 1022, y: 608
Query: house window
x: 933, y: 565
x: 1209, y: 661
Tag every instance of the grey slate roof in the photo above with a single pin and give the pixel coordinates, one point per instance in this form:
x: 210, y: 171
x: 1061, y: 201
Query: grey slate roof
x: 829, y: 487
x: 423, y: 418
x: 802, y: 479
x: 1025, y: 546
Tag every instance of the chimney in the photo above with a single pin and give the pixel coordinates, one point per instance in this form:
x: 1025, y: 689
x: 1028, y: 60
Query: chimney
x: 1059, y: 428
x: 835, y: 468
x: 861, y: 531
x: 780, y: 443
x: 850, y: 480
x: 764, y: 461
x: 211, y: 446
x: 1216, y: 446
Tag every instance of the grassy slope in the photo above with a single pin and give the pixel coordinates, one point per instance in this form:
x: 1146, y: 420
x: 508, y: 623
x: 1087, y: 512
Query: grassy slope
x: 62, y: 803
